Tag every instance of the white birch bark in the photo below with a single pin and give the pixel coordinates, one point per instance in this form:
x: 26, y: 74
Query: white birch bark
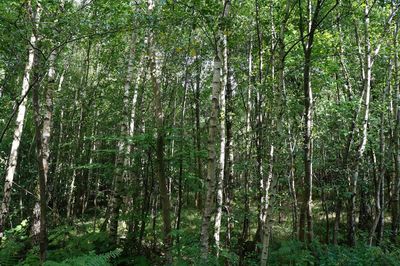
x: 364, y: 137
x: 267, y: 223
x: 248, y: 135
x: 211, y: 165
x: 222, y: 116
x: 122, y: 160
x: 19, y: 125
x: 212, y: 132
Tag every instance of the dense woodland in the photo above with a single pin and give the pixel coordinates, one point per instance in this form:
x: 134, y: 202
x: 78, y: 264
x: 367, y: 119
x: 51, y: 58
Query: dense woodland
x: 199, y: 132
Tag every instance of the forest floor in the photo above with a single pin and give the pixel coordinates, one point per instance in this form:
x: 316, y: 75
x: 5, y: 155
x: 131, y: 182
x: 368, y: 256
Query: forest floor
x: 81, y: 244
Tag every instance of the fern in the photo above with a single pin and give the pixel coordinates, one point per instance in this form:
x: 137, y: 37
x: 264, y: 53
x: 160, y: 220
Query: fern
x: 10, y: 253
x: 9, y: 260
x: 88, y: 260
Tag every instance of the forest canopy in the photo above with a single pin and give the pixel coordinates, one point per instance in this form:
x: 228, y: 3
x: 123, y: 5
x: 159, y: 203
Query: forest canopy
x: 196, y: 132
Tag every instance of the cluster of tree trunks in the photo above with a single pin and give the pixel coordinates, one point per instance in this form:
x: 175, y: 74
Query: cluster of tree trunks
x: 148, y: 174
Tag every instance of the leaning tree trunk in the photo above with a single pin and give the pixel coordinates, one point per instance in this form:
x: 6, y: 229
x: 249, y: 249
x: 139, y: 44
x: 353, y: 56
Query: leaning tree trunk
x: 19, y: 125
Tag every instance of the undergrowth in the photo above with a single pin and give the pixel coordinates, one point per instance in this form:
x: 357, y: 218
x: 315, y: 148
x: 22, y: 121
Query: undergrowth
x: 81, y: 246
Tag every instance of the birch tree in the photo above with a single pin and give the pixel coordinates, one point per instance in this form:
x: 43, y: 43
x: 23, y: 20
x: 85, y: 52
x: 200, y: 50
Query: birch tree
x: 19, y: 123
x: 223, y: 51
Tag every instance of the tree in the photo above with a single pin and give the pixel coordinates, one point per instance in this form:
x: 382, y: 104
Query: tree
x: 313, y: 20
x: 19, y: 123
x: 159, y: 117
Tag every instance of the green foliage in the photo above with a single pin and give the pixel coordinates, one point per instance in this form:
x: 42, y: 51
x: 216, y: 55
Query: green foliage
x: 67, y: 241
x: 67, y: 246
x: 90, y: 259
x: 32, y: 257
x: 229, y: 256
x: 10, y: 252
x: 359, y: 256
x: 14, y: 245
x: 291, y: 253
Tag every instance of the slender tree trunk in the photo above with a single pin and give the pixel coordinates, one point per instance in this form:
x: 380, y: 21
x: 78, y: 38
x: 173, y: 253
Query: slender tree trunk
x: 307, y: 38
x: 307, y: 42
x: 308, y: 147
x: 197, y: 133
x: 396, y: 142
x: 259, y: 140
x: 349, y: 92
x: 211, y: 165
x: 326, y: 212
x: 182, y: 138
x: 292, y: 183
x: 78, y: 176
x: 351, y: 216
x: 42, y: 136
x: 259, y: 132
x: 147, y: 196
x: 379, y: 190
x: 267, y: 222
x: 346, y: 156
x: 229, y: 159
x: 246, y: 219
x: 347, y: 82
x: 46, y: 133
x: 122, y: 160
x: 57, y: 180
x: 133, y: 175
x: 306, y: 211
x: 291, y: 140
x: 222, y: 155
x: 211, y: 183
x: 19, y: 125
x: 369, y: 57
x: 160, y: 169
